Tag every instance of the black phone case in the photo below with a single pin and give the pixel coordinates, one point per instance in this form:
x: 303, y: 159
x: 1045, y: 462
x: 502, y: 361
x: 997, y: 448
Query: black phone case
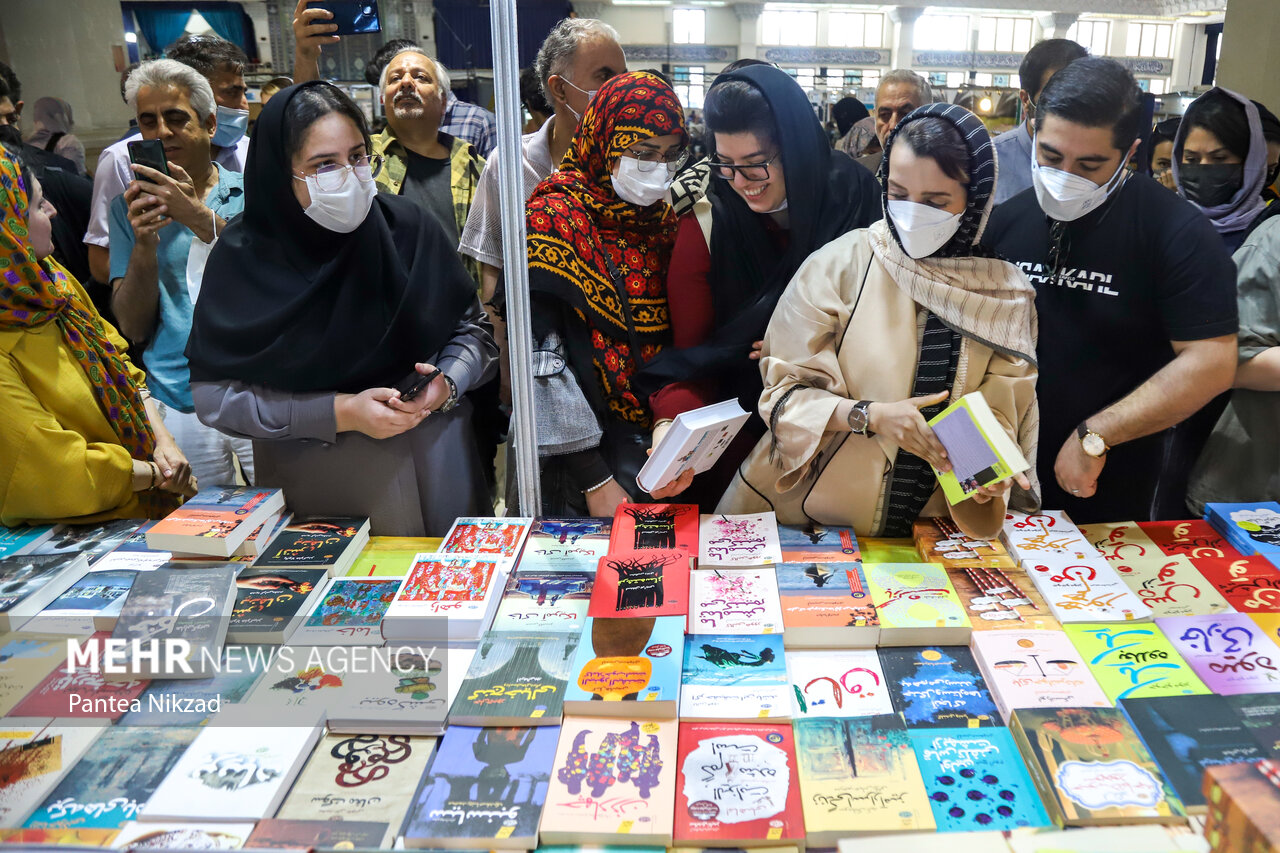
x: 411, y: 386
x: 143, y: 152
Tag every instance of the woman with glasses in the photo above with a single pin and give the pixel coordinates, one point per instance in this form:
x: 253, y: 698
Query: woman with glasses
x: 881, y: 328
x: 778, y: 194
x: 320, y: 302
x: 600, y: 233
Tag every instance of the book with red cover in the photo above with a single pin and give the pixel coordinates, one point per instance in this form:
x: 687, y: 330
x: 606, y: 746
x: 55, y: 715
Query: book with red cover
x: 1250, y: 584
x: 667, y: 526
x: 653, y: 582
x: 1196, y: 538
x: 81, y: 693
x: 737, y: 786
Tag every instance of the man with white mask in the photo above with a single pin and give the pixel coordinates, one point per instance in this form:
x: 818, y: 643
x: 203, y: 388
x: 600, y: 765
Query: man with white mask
x: 161, y: 229
x: 1136, y: 299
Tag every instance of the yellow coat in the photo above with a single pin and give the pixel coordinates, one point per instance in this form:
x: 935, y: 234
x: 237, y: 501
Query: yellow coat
x: 60, y: 460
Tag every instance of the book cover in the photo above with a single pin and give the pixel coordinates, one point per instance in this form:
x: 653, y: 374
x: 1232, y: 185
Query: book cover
x: 665, y: 526
x: 613, y: 782
x: 738, y: 540
x: 95, y: 597
x: 650, y: 582
x: 178, y: 604
x: 859, y: 776
x: 1250, y: 584
x: 1049, y: 533
x: 544, y: 601
x: 445, y: 596
x: 734, y: 601
x: 183, y: 836
x: 81, y: 693
x: 348, y: 612
x: 1092, y: 768
x: 938, y: 687
x: 1187, y: 734
x: 1085, y: 590
x: 60, y: 837
x: 844, y: 683
x: 1260, y: 714
x: 25, y: 661
x: 1120, y: 541
x: 296, y: 679
x: 485, y: 787
x: 1251, y: 528
x: 16, y: 541
x: 235, y: 770
x: 35, y: 755
x: 1170, y: 586
x: 314, y: 542
x: 978, y: 446
x: 270, y: 602
x: 977, y: 780
x: 404, y: 690
x: 193, y: 701
x: 627, y: 667
x: 818, y: 543
x: 1001, y: 599
x: 916, y: 604
x: 1244, y: 807
x: 360, y: 778
x: 694, y: 442
x: 1134, y: 661
x: 1229, y: 652
x: 29, y: 584
x: 498, y: 537
x: 826, y: 604
x: 1036, y: 669
x: 1269, y: 623
x: 216, y: 521
x: 1196, y: 538
x: 566, y: 544
x: 940, y: 540
x: 93, y: 540
x: 515, y: 680
x: 113, y: 780
x: 737, y: 786
x: 274, y: 834
x: 734, y: 677
x: 390, y: 556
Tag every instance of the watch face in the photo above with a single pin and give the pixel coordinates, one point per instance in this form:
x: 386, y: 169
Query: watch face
x: 1093, y: 444
x: 858, y: 419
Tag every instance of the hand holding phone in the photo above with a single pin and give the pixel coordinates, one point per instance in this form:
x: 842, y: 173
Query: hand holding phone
x: 413, y: 384
x: 149, y: 153
x: 353, y: 17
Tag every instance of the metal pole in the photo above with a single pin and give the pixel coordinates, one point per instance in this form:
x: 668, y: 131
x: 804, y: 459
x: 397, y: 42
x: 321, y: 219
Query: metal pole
x: 523, y: 441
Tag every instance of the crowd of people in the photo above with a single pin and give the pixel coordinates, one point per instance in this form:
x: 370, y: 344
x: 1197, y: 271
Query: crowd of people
x: 320, y: 308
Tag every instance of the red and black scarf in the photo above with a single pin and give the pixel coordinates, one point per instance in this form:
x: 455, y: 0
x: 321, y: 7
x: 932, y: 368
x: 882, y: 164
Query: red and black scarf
x: 578, y: 227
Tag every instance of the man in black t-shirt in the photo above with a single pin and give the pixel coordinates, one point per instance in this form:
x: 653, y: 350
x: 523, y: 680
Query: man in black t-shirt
x: 1136, y: 301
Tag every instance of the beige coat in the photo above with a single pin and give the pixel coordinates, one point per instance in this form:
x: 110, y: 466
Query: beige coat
x: 818, y: 342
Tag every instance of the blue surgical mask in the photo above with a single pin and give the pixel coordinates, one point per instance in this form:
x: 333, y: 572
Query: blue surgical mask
x: 232, y: 125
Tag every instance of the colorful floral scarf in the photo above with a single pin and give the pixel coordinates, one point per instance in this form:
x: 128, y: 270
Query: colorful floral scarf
x: 578, y: 228
x: 34, y: 292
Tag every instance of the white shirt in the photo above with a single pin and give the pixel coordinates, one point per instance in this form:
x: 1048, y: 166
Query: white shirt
x: 482, y: 235
x: 113, y: 175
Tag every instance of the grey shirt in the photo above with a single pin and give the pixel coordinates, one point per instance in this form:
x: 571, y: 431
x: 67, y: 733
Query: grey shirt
x: 1013, y: 160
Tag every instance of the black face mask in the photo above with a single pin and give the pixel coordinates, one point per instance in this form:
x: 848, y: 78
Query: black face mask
x: 1211, y: 184
x: 1272, y: 174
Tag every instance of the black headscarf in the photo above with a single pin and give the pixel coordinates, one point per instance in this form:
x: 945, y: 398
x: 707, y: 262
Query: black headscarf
x: 289, y: 304
x: 827, y: 195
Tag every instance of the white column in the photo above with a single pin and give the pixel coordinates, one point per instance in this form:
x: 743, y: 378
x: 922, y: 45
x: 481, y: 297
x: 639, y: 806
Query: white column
x: 1188, y: 56
x: 748, y: 29
x: 423, y: 13
x: 904, y: 18
x: 1056, y: 24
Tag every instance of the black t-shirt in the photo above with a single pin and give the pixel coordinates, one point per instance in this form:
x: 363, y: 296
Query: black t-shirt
x: 427, y: 180
x: 1145, y: 269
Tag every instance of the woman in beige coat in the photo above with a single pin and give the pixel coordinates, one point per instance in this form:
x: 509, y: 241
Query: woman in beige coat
x: 878, y: 331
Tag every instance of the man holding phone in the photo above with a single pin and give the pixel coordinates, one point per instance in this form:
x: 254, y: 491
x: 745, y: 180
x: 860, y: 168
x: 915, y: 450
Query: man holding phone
x: 161, y: 230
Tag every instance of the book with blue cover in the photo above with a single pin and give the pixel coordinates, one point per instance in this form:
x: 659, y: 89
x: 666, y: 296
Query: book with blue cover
x: 977, y: 780
x: 1250, y: 528
x: 627, y: 667
x: 485, y: 788
x: 114, y: 779
x: 566, y: 544
x: 16, y: 541
x: 818, y: 543
x: 538, y: 600
x: 734, y: 677
x: 938, y: 687
x: 98, y: 595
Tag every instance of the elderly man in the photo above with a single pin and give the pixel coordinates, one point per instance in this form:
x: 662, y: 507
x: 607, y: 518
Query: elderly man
x: 162, y: 227
x: 900, y: 91
x: 221, y: 63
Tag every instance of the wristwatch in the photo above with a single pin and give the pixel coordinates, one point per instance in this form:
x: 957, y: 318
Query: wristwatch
x: 860, y: 418
x: 452, y: 400
x: 1091, y: 442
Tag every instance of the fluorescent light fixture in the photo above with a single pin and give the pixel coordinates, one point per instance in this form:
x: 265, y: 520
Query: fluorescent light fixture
x: 642, y: 2
x: 709, y: 2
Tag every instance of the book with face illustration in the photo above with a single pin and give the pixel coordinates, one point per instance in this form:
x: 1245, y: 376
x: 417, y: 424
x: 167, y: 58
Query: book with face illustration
x: 648, y: 582
x: 1036, y: 669
x: 627, y: 667
x: 837, y: 683
x: 734, y: 677
x: 734, y: 601
x: 1134, y: 661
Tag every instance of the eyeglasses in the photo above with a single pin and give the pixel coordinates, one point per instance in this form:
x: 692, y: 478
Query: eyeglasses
x: 649, y: 159
x: 331, y: 176
x: 750, y: 171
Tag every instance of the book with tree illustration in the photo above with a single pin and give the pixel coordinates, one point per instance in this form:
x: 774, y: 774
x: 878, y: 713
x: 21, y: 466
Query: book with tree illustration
x: 649, y: 582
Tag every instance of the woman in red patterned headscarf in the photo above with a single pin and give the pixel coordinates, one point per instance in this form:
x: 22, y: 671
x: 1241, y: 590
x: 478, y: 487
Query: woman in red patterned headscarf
x: 600, y: 234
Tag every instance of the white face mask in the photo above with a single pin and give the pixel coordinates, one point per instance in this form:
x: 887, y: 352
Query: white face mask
x: 640, y: 188
x: 591, y: 94
x: 341, y: 210
x: 1067, y: 197
x: 922, y: 229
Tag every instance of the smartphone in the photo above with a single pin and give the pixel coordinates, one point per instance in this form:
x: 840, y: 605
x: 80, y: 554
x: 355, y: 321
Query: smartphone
x: 412, y: 385
x: 353, y: 17
x: 148, y: 152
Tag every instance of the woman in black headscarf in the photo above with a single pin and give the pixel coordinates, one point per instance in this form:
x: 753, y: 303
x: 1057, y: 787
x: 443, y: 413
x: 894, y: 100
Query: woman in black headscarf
x: 319, y: 300
x: 778, y: 193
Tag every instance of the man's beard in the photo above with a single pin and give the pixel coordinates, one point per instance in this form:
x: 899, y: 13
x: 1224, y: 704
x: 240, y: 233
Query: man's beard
x: 409, y: 107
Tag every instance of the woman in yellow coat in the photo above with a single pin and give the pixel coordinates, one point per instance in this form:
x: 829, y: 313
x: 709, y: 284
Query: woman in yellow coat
x: 79, y: 439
